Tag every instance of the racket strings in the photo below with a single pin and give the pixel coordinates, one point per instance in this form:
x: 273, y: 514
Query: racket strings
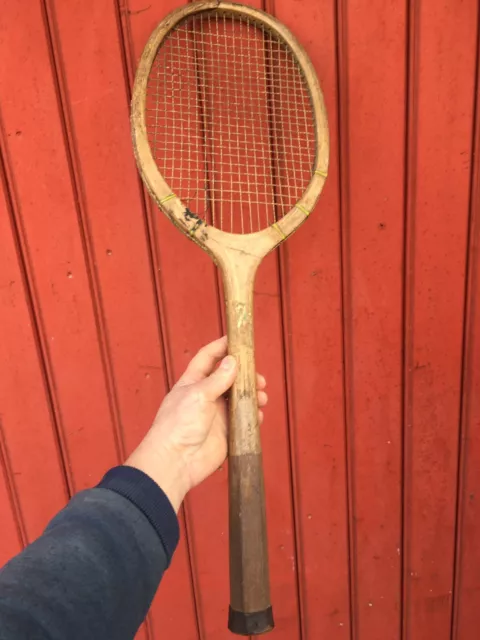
x: 229, y: 121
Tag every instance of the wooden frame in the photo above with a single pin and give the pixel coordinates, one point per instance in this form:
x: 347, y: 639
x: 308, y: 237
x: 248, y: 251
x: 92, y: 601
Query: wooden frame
x: 214, y: 240
x: 238, y: 256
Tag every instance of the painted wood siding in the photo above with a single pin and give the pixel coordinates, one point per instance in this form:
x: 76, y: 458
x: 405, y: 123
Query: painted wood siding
x: 367, y: 320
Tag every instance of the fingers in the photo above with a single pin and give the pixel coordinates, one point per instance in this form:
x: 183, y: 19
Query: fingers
x: 262, y: 398
x: 220, y: 380
x: 261, y: 382
x: 203, y: 363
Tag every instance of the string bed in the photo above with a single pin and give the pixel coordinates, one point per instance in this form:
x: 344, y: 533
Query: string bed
x: 230, y: 122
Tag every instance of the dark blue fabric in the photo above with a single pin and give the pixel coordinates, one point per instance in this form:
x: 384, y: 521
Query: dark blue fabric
x: 140, y: 489
x: 93, y: 573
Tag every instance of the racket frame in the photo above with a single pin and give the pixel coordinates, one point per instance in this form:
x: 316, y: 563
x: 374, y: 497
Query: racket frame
x: 238, y: 256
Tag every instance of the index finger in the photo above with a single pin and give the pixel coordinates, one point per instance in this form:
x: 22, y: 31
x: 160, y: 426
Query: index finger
x: 203, y: 363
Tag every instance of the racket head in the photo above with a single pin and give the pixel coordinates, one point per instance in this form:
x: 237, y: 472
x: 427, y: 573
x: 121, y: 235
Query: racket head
x: 162, y: 189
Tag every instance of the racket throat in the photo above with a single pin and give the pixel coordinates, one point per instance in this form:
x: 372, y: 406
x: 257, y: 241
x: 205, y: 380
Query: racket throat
x: 238, y: 280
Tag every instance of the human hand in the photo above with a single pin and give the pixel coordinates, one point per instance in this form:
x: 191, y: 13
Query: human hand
x: 188, y: 439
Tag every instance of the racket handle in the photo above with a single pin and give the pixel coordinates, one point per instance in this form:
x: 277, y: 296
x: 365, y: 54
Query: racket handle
x: 250, y: 608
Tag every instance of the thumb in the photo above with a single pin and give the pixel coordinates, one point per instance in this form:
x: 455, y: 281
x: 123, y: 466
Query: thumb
x: 220, y: 380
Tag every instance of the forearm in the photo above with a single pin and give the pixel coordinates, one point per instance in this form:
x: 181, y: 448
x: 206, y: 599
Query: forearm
x: 95, y: 570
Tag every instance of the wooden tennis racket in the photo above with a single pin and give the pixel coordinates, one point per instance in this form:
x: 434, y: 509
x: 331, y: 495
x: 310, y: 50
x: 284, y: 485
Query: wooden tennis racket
x: 230, y: 136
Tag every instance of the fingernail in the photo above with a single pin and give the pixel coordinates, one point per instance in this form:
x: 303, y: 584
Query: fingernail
x: 228, y: 362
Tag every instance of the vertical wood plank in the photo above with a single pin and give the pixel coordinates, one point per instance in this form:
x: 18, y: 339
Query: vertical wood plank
x: 465, y: 593
x: 33, y: 486
x: 373, y: 111
x: 52, y: 244
x: 313, y: 316
x: 443, y: 41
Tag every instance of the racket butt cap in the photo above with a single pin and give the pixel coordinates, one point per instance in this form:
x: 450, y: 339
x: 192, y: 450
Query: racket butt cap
x: 250, y: 624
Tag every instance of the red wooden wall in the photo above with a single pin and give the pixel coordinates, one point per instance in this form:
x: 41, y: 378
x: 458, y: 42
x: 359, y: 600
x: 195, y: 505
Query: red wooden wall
x: 367, y: 322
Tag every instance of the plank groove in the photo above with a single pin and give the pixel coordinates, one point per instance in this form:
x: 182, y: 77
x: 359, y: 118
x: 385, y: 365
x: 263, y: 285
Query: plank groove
x: 341, y: 26
x: 467, y: 556
x: 14, y: 535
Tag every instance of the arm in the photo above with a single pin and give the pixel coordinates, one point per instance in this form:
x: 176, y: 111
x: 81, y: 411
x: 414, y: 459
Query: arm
x: 95, y: 570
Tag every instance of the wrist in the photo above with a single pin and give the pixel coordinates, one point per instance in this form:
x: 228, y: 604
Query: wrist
x: 166, y: 468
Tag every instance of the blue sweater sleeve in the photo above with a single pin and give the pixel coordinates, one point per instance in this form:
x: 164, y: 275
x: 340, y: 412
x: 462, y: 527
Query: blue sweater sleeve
x: 95, y: 570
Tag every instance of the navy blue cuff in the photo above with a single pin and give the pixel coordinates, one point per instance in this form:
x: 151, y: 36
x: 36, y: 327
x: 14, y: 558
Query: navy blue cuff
x: 147, y: 496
